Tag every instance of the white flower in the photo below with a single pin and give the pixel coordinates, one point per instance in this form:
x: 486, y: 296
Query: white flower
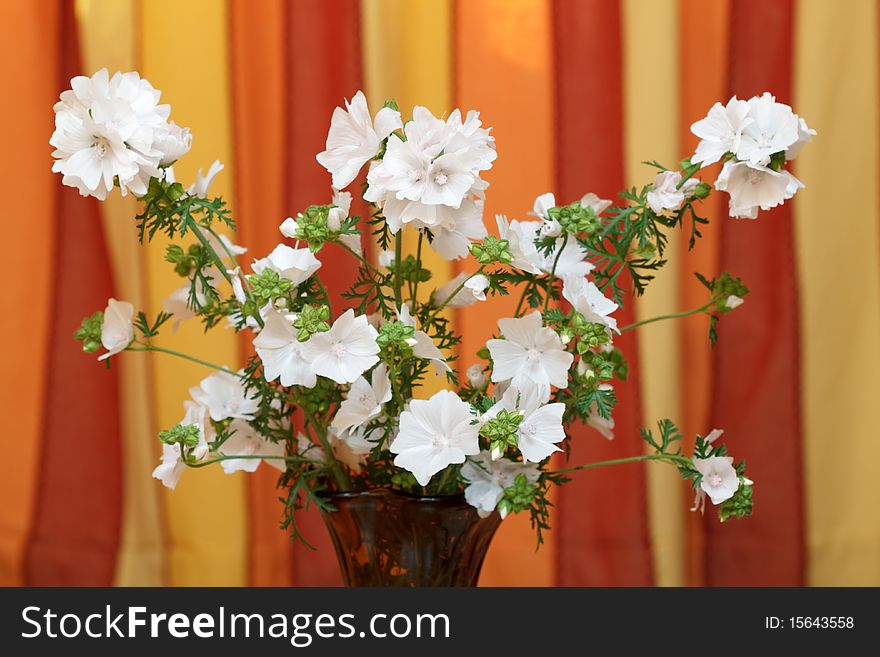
x: 805, y: 134
x: 422, y: 344
x: 344, y: 352
x: 487, y: 480
x: 734, y: 301
x: 751, y: 187
x: 247, y: 442
x: 434, y: 433
x: 720, y: 132
x: 605, y: 426
x: 106, y: 131
x: 354, y: 138
x: 541, y: 425
x: 598, y: 205
x: 719, y: 480
x: 588, y: 300
x: 173, y: 463
x: 225, y: 397
x: 203, y: 182
x: 364, y: 400
x: 173, y: 143
x: 282, y: 354
x: 117, y: 330
x: 177, y: 304
x: 456, y: 228
x: 386, y: 258
x: 521, y: 237
x: 473, y: 289
x: 351, y: 446
x: 476, y: 377
x: 773, y: 128
x: 296, y: 265
x: 665, y: 198
x: 530, y: 356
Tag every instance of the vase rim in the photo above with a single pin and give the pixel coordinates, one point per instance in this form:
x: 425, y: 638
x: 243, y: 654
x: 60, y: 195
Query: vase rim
x: 382, y: 492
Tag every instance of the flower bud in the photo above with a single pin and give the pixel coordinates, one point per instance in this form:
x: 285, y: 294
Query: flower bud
x: 496, y: 453
x: 476, y: 377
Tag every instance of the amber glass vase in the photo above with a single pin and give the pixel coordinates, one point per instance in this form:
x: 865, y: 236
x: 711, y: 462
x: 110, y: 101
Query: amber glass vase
x: 387, y: 538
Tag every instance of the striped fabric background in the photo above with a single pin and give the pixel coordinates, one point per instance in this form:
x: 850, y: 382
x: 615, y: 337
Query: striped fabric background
x: 578, y: 92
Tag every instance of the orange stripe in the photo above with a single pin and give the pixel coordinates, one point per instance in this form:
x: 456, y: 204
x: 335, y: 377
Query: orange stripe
x: 257, y: 33
x: 504, y: 69
x: 28, y: 233
x: 703, y: 64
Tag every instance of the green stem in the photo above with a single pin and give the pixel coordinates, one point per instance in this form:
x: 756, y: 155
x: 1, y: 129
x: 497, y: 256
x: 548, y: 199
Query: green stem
x: 237, y: 268
x: 522, y: 298
x: 339, y: 474
x: 553, y: 272
x: 398, y: 255
x: 670, y: 316
x: 415, y: 289
x: 441, y: 486
x: 194, y: 227
x: 229, y: 457
x: 149, y: 347
x: 673, y: 458
x: 361, y: 258
x: 326, y: 295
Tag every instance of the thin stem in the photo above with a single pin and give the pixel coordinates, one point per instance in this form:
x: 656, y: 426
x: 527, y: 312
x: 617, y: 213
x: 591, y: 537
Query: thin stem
x: 522, y: 298
x: 553, y: 272
x: 325, y: 293
x: 630, y: 459
x: 670, y: 316
x: 454, y: 292
x: 194, y: 227
x: 149, y: 347
x: 398, y: 255
x: 339, y: 474
x: 361, y: 258
x: 229, y: 457
x: 415, y: 289
x: 442, y: 484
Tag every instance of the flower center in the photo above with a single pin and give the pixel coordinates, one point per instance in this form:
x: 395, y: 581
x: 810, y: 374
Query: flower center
x: 528, y: 429
x: 714, y: 479
x: 755, y: 176
x: 440, y: 178
x: 440, y: 440
x: 101, y: 147
x: 417, y: 175
x: 533, y: 355
x: 338, y: 349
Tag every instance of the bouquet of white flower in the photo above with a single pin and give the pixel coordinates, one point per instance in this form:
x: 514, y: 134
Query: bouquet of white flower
x: 331, y: 397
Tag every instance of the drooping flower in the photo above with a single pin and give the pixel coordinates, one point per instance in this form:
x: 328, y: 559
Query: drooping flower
x: 476, y: 376
x: 173, y: 458
x: 344, y: 352
x: 246, y: 442
x: 721, y: 131
x: 473, y: 289
x: 719, y: 480
x: 106, y: 133
x: 203, y: 182
x: 530, y: 356
x: 603, y: 425
x: 177, y: 304
x: 364, y: 400
x: 225, y: 397
x: 423, y: 346
x: 521, y: 237
x: 457, y: 228
x: 282, y: 354
x: 772, y: 128
x: 541, y: 425
x: 173, y: 143
x: 351, y: 446
x: 296, y: 265
x: 117, y: 331
x: 354, y: 138
x: 342, y: 201
x: 752, y: 187
x: 666, y: 198
x: 433, y: 434
x: 487, y: 480
x: 588, y: 300
x: 805, y: 135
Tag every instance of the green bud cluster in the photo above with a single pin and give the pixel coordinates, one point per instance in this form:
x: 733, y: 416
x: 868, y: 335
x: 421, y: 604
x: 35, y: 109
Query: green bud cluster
x: 311, y: 226
x: 186, y: 435
x: 519, y: 496
x: 310, y: 320
x: 492, y: 250
x: 89, y: 332
x: 590, y: 335
x: 502, y: 430
x: 738, y: 506
x: 702, y: 190
x: 575, y: 218
x: 184, y: 261
x: 726, y: 286
x: 405, y: 480
x: 393, y: 337
x: 269, y: 285
x: 411, y: 271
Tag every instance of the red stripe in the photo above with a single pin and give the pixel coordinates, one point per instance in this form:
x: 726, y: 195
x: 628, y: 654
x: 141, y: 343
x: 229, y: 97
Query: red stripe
x: 756, y: 391
x: 324, y: 66
x: 78, y: 518
x: 601, y: 520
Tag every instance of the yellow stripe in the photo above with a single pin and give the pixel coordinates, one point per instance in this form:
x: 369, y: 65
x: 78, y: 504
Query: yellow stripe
x: 651, y: 132
x: 108, y: 36
x: 422, y: 76
x: 836, y: 224
x: 184, y: 53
